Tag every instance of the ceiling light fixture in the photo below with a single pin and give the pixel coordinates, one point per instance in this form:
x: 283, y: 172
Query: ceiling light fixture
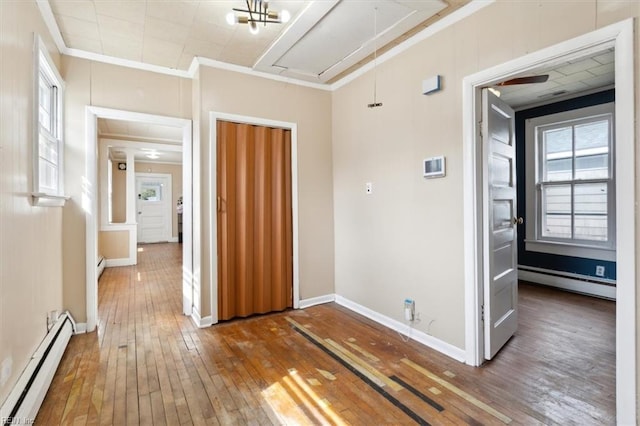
x: 257, y: 12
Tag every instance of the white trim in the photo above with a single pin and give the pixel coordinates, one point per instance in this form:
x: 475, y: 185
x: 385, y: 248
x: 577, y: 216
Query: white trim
x: 213, y: 216
x: 464, y: 12
x: 113, y: 263
x: 460, y: 14
x: 90, y: 204
x: 427, y: 340
x: 249, y: 71
x: 575, y: 250
x: 621, y: 37
x: 566, y: 283
x: 81, y: 328
x: 200, y: 322
x: 46, y: 200
x: 318, y: 300
x: 173, y: 239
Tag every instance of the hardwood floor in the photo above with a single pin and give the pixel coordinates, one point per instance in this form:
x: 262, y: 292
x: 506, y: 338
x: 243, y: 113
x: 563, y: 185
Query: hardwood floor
x: 148, y: 364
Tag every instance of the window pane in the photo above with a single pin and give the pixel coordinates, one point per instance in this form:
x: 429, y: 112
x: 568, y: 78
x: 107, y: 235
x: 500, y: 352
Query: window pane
x: 48, y: 149
x: 592, y: 150
x: 151, y: 192
x: 48, y: 177
x: 557, y: 154
x: 556, y: 211
x: 590, y: 209
x: 45, y: 100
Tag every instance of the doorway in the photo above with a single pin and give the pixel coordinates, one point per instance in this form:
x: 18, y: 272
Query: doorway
x: 620, y: 38
x: 190, y: 224
x: 214, y: 217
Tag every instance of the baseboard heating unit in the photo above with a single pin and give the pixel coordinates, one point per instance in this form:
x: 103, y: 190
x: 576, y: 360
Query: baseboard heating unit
x: 23, y: 403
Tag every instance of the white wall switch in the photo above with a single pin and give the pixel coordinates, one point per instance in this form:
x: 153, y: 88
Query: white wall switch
x: 369, y: 188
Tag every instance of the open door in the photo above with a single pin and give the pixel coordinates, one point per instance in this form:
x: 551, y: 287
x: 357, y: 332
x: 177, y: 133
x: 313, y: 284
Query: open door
x: 500, y: 224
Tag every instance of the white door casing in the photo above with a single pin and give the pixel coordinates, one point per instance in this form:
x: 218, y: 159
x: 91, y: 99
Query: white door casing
x: 500, y: 226
x: 153, y: 207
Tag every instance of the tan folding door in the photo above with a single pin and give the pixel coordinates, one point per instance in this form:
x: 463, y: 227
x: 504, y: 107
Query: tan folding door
x: 255, y: 249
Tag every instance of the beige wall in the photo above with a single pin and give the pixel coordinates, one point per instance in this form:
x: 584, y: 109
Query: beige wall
x: 113, y: 244
x: 30, y: 237
x: 103, y: 85
x: 229, y: 92
x: 175, y: 170
x: 406, y: 239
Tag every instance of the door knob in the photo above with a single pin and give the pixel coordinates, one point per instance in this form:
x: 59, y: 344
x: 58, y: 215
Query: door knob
x: 517, y: 221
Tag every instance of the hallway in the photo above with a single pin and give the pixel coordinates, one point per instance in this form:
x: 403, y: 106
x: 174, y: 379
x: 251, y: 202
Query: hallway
x: 148, y: 364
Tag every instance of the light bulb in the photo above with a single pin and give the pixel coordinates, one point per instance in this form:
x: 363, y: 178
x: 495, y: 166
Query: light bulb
x: 253, y: 28
x: 231, y: 18
x: 285, y: 16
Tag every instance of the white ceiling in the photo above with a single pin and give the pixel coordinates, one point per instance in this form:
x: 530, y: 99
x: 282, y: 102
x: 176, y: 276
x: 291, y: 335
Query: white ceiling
x: 323, y: 39
x: 164, y: 142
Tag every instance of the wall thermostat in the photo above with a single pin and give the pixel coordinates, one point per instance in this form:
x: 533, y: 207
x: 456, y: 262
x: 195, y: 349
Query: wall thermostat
x: 433, y: 167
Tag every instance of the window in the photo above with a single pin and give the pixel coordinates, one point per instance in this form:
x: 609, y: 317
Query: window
x: 570, y: 185
x: 48, y: 135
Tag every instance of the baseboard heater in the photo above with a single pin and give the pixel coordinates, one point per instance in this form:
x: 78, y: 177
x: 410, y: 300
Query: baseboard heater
x: 102, y: 262
x: 23, y: 403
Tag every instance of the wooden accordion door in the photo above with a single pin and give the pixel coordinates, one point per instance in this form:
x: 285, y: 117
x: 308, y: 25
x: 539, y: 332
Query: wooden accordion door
x: 255, y: 237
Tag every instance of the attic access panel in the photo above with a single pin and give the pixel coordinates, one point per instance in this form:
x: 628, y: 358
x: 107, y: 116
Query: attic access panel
x: 348, y: 30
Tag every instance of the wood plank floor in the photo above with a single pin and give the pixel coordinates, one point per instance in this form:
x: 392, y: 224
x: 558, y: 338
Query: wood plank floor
x: 148, y: 364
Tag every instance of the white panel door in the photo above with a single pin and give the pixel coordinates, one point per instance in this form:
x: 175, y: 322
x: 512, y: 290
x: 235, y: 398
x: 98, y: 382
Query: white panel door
x: 153, y: 201
x: 500, y: 224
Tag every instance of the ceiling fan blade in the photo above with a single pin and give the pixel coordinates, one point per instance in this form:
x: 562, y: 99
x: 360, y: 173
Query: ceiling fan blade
x: 525, y: 80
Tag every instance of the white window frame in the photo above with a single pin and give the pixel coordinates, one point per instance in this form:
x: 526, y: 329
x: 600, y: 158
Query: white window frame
x: 577, y: 248
x: 43, y: 64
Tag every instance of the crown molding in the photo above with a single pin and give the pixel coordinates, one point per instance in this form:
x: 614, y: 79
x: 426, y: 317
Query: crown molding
x: 49, y: 19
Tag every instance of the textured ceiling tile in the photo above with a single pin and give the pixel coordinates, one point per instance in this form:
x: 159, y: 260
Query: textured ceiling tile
x: 178, y: 12
x: 167, y: 31
x: 81, y: 9
x: 160, y: 52
x: 203, y: 48
x: 83, y: 43
x: 129, y: 10
x: 185, y: 61
x: 215, y: 12
x: 113, y: 27
x: 201, y: 30
x: 122, y: 47
x: 78, y: 27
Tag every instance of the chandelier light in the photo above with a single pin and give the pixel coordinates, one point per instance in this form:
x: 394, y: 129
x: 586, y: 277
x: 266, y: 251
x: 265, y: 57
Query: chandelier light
x: 257, y: 12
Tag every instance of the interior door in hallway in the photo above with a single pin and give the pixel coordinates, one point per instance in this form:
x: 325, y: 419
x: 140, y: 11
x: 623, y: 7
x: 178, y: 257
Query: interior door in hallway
x: 500, y: 223
x: 153, y: 202
x: 255, y: 236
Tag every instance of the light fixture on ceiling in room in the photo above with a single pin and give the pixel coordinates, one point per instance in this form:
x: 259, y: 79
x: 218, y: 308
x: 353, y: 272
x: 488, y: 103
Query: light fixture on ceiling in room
x: 257, y: 12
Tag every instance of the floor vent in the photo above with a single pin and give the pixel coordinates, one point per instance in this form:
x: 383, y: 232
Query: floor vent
x: 23, y: 403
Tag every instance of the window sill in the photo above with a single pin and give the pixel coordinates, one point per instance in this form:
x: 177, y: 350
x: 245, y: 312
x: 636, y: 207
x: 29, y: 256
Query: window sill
x: 46, y: 200
x: 573, y: 250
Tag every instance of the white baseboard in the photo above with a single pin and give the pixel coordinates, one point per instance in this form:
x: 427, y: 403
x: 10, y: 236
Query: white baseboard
x: 125, y: 261
x: 565, y: 283
x: 199, y: 321
x: 427, y: 340
x: 319, y: 300
x: 81, y: 328
x: 173, y: 239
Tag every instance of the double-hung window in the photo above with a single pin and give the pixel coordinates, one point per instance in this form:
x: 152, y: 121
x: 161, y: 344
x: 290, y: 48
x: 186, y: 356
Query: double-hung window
x: 570, y: 183
x: 48, y: 135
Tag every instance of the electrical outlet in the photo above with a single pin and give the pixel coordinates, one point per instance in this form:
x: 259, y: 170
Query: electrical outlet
x: 369, y: 188
x: 409, y: 310
x: 600, y: 271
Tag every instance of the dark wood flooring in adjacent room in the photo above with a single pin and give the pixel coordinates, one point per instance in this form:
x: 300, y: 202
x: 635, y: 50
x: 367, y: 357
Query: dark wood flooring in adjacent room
x: 148, y: 364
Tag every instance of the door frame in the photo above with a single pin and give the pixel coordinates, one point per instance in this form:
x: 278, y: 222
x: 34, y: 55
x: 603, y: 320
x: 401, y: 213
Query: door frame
x: 620, y: 36
x: 168, y: 203
x: 190, y: 194
x: 213, y: 216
